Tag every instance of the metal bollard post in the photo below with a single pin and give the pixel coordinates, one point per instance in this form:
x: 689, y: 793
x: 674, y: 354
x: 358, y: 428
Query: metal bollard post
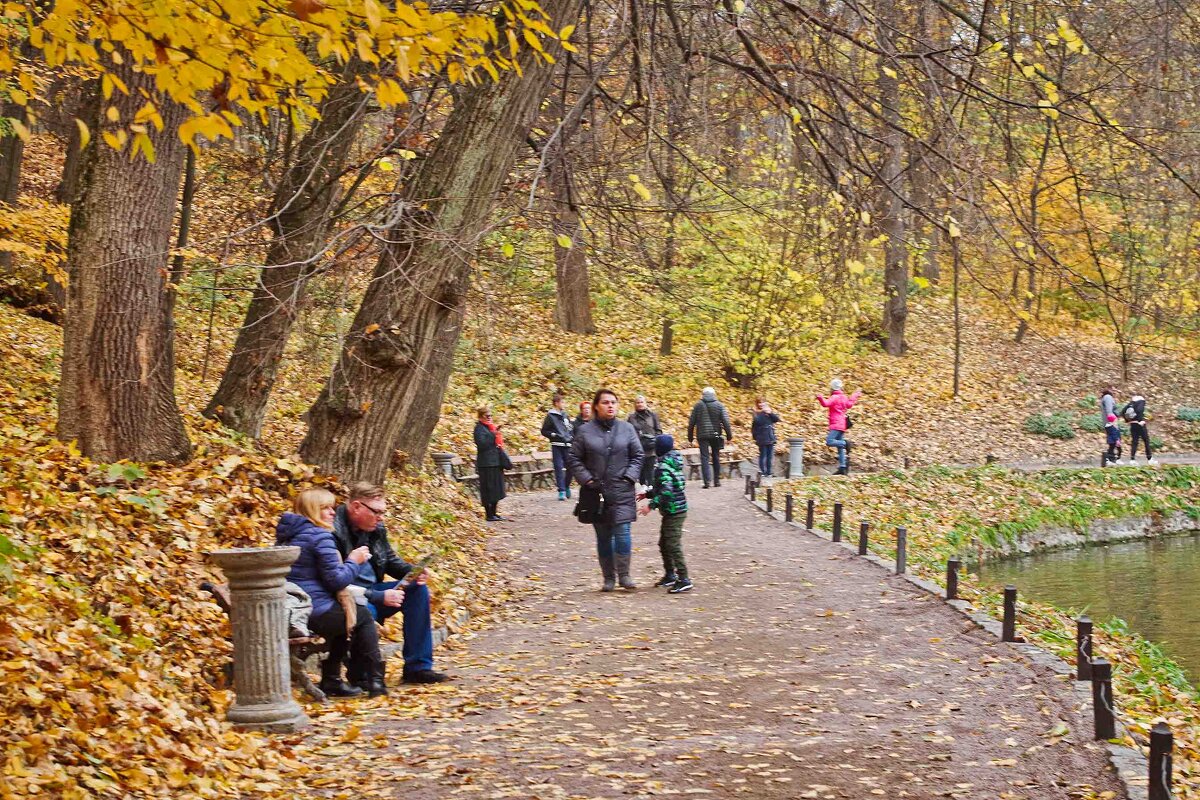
x: 952, y: 566
x: 1009, y: 632
x: 901, y: 550
x: 1083, y: 649
x: 749, y: 483
x: 1103, y: 459
x: 1102, y: 699
x: 808, y: 515
x: 1161, y: 744
x: 753, y: 492
x: 837, y: 522
x: 863, y: 528
x: 787, y: 508
x: 770, y: 500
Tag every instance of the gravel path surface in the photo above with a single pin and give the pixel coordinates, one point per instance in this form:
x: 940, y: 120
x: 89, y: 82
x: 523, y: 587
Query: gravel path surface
x: 793, y: 670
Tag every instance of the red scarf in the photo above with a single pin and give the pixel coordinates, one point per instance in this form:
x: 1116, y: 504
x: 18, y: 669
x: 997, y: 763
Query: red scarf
x: 491, y: 426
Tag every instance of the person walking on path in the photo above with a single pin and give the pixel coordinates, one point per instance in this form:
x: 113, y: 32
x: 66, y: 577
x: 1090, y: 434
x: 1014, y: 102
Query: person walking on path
x: 606, y: 459
x: 585, y: 415
x: 666, y: 493
x: 1112, y: 436
x: 1108, y: 402
x: 320, y: 571
x: 838, y: 404
x: 490, y: 463
x: 709, y: 422
x: 558, y: 429
x: 1134, y: 412
x: 646, y: 423
x: 762, y: 430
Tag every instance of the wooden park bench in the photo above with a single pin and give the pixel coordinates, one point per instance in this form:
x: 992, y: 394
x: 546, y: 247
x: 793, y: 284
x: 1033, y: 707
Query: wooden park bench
x: 300, y: 648
x: 729, y: 461
x: 466, y: 477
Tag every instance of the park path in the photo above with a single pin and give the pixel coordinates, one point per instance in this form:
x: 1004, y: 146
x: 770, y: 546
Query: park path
x: 793, y: 670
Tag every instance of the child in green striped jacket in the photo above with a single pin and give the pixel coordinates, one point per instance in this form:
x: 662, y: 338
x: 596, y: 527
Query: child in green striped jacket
x: 666, y: 493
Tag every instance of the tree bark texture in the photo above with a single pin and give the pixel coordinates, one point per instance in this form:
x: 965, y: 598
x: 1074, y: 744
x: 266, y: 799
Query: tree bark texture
x: 573, y: 305
x: 117, y: 396
x: 895, y: 275
x: 302, y: 208
x: 12, y: 154
x: 412, y: 312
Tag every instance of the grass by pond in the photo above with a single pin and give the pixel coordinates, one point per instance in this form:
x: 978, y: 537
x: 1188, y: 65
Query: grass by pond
x: 976, y: 511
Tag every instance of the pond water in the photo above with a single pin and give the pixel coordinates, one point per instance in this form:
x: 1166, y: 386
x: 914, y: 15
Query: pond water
x: 1153, y: 584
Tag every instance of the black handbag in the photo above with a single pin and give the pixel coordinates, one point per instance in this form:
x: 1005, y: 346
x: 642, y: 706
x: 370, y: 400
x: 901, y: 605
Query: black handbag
x: 505, y: 461
x: 849, y: 422
x: 589, y: 509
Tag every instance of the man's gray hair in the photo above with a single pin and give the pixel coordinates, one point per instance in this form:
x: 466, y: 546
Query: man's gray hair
x: 708, y: 393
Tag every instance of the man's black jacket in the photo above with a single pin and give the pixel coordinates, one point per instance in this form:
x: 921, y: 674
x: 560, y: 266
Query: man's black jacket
x: 383, y: 557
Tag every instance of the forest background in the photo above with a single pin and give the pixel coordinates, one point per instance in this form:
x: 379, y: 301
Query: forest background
x: 251, y: 230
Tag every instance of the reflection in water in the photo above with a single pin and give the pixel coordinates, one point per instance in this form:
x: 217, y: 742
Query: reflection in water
x: 1154, y: 585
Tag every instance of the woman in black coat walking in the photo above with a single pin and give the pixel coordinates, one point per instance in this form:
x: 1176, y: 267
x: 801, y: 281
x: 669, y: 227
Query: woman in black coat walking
x: 606, y: 459
x: 489, y: 463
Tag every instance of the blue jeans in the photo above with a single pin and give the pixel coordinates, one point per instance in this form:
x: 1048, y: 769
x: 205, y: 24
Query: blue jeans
x: 710, y: 459
x: 418, y: 632
x: 562, y: 478
x: 612, y: 539
x: 766, y: 455
x: 838, y: 439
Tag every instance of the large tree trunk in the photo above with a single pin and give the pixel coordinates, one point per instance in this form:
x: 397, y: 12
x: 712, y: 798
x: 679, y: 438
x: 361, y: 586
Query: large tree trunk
x: 303, y: 205
x: 117, y: 396
x: 414, y: 305
x: 895, y: 274
x: 573, y: 306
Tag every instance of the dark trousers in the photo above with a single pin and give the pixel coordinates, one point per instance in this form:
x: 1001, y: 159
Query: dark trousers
x: 1114, y: 451
x: 418, y: 631
x: 670, y: 544
x: 562, y: 478
x: 766, y: 455
x: 710, y: 460
x: 362, y: 646
x: 646, y: 478
x: 1139, y: 431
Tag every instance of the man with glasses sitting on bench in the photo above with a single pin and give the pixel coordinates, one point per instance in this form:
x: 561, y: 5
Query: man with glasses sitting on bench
x: 357, y: 523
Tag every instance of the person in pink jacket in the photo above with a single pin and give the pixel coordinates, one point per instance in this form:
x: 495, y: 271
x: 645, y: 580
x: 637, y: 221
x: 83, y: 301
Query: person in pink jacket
x: 838, y: 404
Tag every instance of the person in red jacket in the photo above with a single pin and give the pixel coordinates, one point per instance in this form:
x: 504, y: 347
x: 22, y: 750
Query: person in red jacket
x: 838, y: 404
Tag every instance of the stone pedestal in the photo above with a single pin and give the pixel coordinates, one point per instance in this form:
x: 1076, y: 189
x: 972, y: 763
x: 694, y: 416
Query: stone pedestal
x: 261, y: 669
x: 795, y: 457
x: 444, y: 462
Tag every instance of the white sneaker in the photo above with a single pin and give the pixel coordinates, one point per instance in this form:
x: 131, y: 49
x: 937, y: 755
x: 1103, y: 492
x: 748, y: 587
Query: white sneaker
x: 1152, y: 462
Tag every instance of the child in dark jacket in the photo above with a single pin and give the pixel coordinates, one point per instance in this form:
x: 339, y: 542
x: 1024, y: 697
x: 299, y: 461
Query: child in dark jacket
x: 1112, y: 435
x: 667, y: 495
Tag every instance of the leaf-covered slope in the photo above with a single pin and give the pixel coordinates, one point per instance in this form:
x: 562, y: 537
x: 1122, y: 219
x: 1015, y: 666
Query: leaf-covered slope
x: 110, y: 655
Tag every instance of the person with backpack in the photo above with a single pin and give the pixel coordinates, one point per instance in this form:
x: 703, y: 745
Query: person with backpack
x: 762, y: 429
x: 558, y: 429
x: 667, y: 495
x: 838, y: 404
x: 710, y: 423
x: 1134, y: 412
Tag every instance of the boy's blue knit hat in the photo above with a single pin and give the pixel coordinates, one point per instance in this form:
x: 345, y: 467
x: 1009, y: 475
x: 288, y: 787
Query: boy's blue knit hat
x: 663, y: 444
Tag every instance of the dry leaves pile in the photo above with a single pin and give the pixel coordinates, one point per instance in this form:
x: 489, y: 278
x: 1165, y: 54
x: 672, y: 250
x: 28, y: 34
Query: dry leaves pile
x: 110, y: 655
x: 952, y: 512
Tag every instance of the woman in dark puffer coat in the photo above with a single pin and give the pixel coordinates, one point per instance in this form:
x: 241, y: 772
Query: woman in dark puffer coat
x: 319, y: 571
x: 606, y: 458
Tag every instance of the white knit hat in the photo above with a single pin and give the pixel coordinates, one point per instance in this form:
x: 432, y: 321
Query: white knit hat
x: 836, y: 384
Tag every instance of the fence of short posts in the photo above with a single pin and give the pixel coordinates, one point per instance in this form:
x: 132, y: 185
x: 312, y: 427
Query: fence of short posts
x: 1096, y: 670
